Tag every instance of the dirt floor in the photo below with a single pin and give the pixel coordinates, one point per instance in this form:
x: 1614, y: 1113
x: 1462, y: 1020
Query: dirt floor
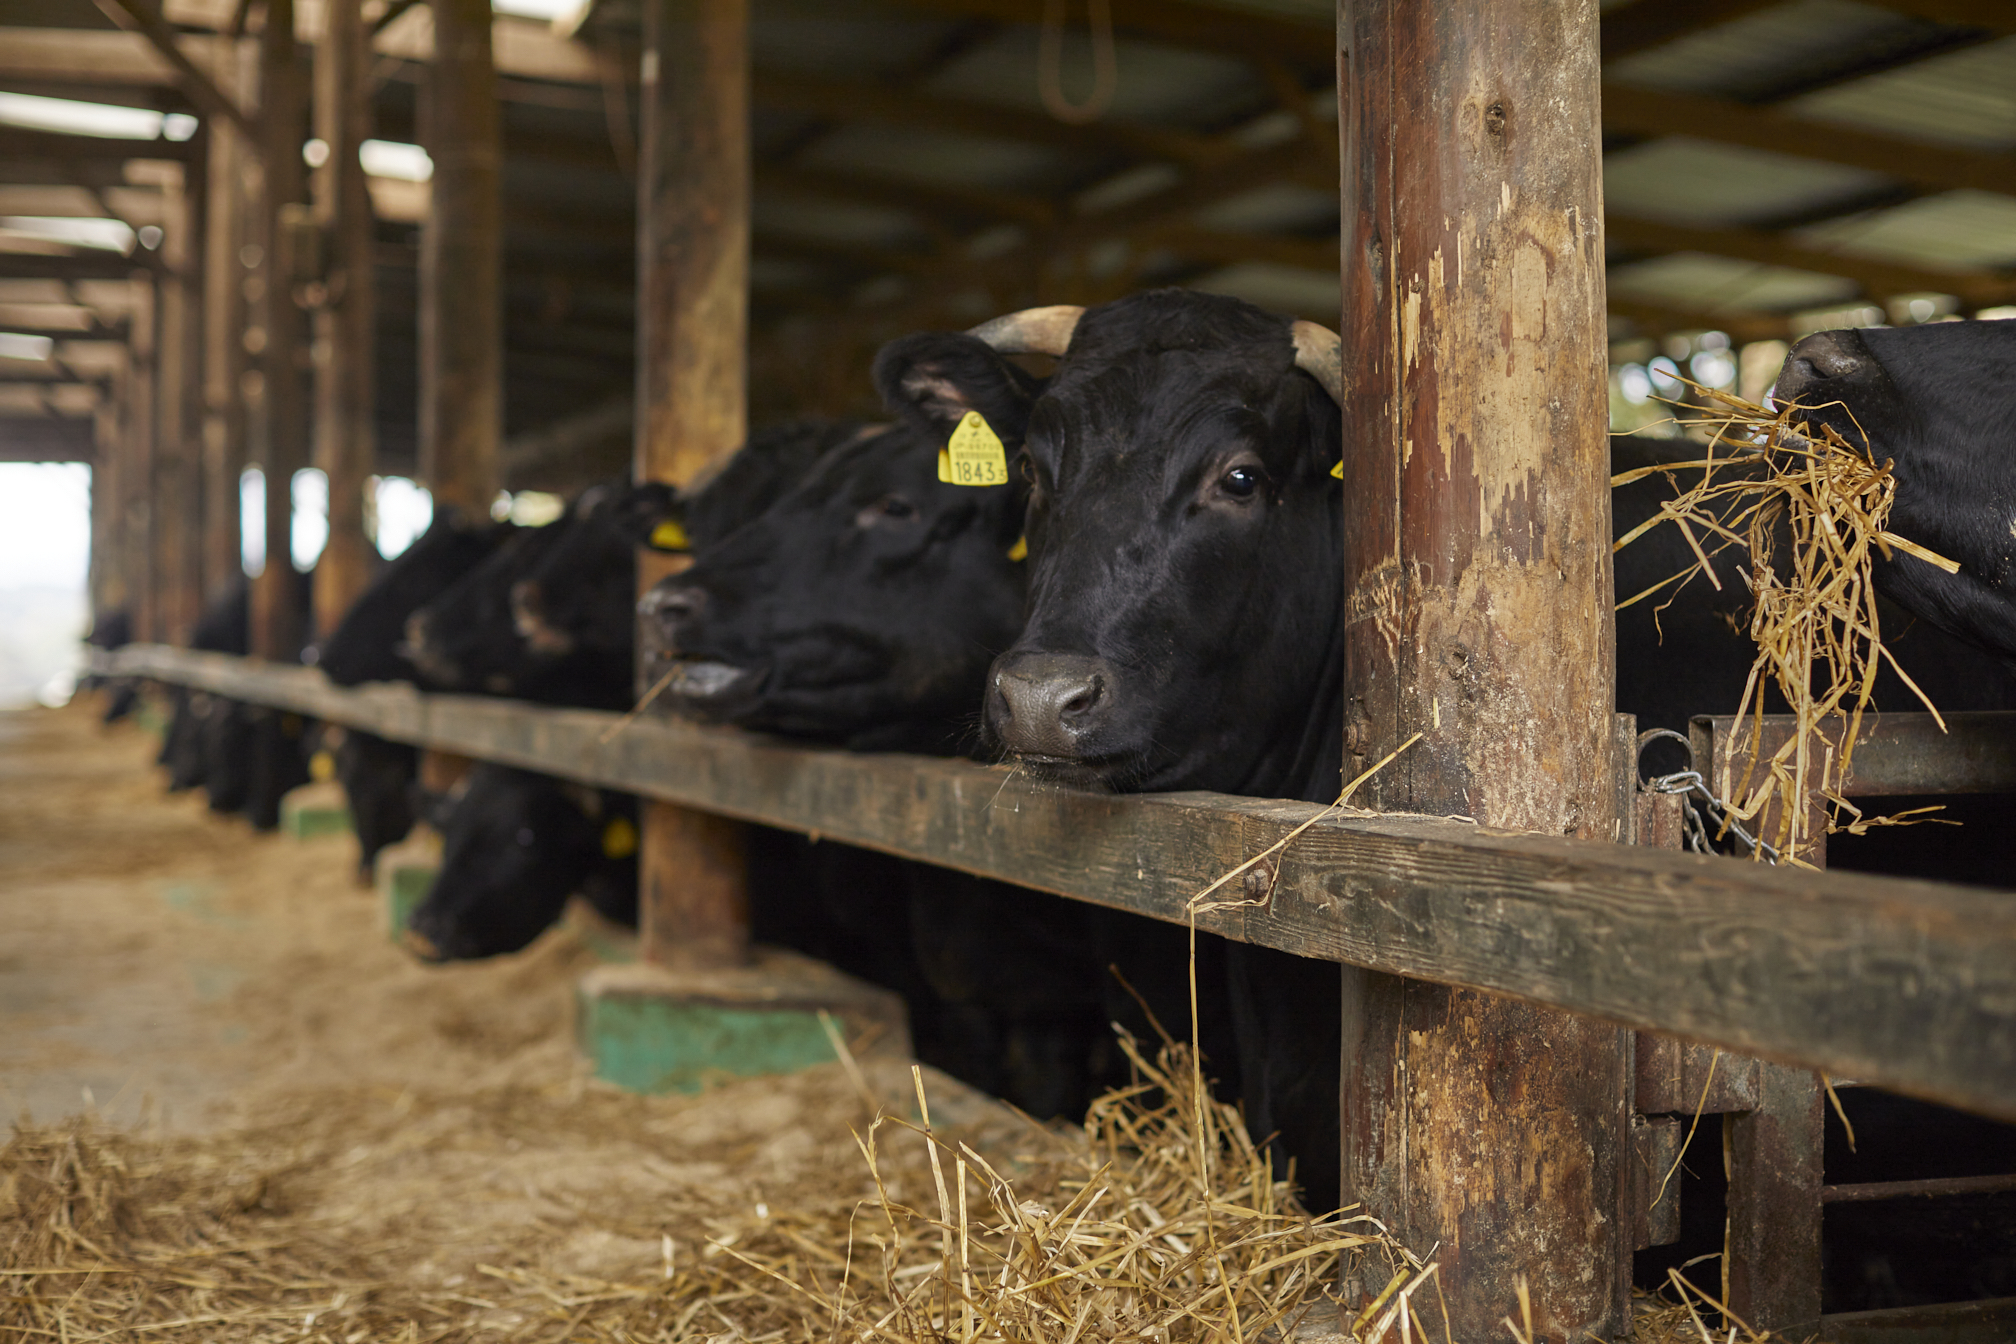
x: 242, y: 1113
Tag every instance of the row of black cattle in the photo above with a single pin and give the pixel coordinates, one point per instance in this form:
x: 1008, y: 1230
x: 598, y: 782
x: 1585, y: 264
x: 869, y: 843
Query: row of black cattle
x: 1149, y: 599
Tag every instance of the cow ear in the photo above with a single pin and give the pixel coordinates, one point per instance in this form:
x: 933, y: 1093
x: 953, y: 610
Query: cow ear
x: 651, y: 514
x: 931, y: 380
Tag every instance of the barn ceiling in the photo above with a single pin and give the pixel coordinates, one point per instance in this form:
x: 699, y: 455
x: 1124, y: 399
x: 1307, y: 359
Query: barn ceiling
x: 1763, y: 161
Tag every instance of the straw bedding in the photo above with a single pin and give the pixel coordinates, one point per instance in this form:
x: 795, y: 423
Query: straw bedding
x: 1782, y: 483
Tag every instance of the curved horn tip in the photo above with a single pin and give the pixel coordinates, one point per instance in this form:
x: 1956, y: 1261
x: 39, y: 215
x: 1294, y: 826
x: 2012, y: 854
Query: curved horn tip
x: 1319, y: 352
x: 1032, y: 331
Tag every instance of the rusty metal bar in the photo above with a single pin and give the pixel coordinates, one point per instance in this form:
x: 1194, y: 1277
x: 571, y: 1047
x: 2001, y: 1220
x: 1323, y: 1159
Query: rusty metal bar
x: 1896, y: 753
x: 1943, y: 1185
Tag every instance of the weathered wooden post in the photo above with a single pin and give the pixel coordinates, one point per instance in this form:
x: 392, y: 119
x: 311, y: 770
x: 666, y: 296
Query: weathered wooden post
x: 224, y: 327
x: 178, y: 494
x: 281, y: 337
x: 135, y: 476
x: 703, y: 1001
x: 461, y: 265
x: 345, y: 441
x: 693, y: 194
x: 1479, y: 591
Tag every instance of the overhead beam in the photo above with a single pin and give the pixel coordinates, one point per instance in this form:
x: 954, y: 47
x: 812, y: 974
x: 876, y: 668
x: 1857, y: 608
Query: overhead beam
x: 19, y: 143
x: 1665, y: 317
x: 1881, y: 279
x: 1643, y: 24
x: 1941, y: 167
x: 1242, y: 32
x: 77, y: 266
x: 145, y: 17
x: 855, y: 100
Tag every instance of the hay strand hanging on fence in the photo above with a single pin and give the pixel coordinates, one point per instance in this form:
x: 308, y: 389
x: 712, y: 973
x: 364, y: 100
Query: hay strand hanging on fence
x: 1814, y: 616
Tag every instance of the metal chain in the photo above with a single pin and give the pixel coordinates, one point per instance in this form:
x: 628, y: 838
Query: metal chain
x: 1704, y: 811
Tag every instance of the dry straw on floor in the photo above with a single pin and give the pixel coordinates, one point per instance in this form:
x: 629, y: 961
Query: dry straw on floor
x: 1815, y: 621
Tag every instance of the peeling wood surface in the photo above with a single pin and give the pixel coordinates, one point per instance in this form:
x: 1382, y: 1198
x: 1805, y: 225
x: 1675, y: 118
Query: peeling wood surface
x: 1910, y: 985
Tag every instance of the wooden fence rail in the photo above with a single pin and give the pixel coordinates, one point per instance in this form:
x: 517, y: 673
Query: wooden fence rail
x: 1906, y: 984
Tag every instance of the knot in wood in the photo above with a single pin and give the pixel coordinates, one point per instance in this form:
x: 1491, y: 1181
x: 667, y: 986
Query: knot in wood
x: 1494, y: 121
x: 1258, y: 881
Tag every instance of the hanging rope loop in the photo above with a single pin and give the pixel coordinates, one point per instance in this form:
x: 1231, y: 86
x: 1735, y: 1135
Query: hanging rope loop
x: 1050, y: 63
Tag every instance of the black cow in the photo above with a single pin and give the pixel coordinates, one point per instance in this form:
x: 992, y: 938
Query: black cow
x: 516, y: 845
x: 112, y: 630
x: 1184, y: 632
x: 378, y: 777
x: 1935, y: 400
x: 864, y: 607
x: 574, y: 593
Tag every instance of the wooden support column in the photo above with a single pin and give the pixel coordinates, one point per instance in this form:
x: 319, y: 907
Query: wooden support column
x: 224, y: 327
x: 135, y: 476
x: 461, y: 265
x: 693, y: 187
x: 178, y: 460
x: 345, y: 443
x: 282, y: 331
x: 1478, y: 578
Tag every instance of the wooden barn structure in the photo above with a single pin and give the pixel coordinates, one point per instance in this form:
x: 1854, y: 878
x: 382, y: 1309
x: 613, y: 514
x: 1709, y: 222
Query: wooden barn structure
x: 640, y: 222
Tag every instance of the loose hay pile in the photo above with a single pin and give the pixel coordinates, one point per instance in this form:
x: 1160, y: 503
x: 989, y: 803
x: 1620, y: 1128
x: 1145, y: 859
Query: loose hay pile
x: 332, y: 1221
x: 1815, y: 620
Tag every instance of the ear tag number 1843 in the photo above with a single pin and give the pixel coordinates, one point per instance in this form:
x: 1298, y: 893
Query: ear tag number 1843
x: 973, y: 455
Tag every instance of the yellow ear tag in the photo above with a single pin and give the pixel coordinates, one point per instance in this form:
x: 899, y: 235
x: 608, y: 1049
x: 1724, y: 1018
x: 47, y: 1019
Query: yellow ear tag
x: 1020, y: 550
x: 321, y: 767
x: 619, y: 838
x: 670, y: 536
x: 973, y: 455
x: 1338, y: 470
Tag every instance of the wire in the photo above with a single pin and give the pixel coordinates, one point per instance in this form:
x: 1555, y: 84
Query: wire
x: 1050, y: 62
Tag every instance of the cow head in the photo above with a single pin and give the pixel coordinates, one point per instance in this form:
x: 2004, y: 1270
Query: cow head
x: 1934, y: 400
x: 863, y: 606
x: 514, y: 845
x: 365, y: 644
x: 1184, y: 533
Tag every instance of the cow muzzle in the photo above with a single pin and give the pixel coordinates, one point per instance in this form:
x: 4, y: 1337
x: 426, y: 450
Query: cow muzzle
x: 1817, y: 366
x: 1049, y: 706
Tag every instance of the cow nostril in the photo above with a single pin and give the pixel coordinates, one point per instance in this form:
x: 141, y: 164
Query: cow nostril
x: 1080, y: 700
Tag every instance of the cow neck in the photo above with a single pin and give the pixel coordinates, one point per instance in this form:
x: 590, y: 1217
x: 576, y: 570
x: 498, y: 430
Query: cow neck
x: 1311, y: 768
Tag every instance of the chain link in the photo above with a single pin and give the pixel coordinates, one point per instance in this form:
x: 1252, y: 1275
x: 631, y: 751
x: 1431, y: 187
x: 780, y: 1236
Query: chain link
x: 1704, y: 812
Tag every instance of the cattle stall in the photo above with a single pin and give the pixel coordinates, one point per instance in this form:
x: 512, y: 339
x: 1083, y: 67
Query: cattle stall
x: 1485, y: 285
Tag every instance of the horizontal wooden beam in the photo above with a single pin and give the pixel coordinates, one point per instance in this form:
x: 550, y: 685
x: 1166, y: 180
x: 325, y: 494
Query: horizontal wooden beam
x: 1240, y: 32
x: 78, y: 266
x: 856, y: 100
x: 1879, y: 278
x: 145, y: 18
x: 1901, y: 753
x: 18, y: 143
x: 1640, y: 25
x: 1910, y: 985
x: 47, y: 438
x: 1941, y: 167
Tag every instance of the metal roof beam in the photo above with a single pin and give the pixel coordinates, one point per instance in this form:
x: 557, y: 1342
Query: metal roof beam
x: 1659, y: 112
x: 1880, y: 279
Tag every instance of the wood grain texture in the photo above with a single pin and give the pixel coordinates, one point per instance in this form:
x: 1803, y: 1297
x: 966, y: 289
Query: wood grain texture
x: 462, y: 265
x: 1476, y: 510
x: 693, y: 204
x: 345, y: 322
x: 1903, y: 984
x: 224, y: 322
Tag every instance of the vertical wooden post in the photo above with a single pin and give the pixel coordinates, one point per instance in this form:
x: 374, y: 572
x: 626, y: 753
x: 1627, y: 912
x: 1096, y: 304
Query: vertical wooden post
x: 178, y: 496
x: 693, y: 186
x: 276, y: 616
x: 108, y: 581
x: 224, y: 327
x: 1478, y: 577
x: 345, y: 395
x: 461, y: 265
x: 136, y: 458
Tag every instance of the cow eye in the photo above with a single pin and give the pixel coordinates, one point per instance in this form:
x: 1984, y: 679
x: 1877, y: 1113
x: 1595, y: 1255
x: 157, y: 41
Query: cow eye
x: 895, y: 506
x: 1240, y: 482
x: 888, y: 509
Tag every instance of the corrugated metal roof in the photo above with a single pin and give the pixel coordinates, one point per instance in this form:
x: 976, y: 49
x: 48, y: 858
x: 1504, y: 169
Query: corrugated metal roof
x: 1684, y: 181
x: 1747, y: 57
x: 1956, y: 229
x: 1962, y: 98
x: 1720, y: 285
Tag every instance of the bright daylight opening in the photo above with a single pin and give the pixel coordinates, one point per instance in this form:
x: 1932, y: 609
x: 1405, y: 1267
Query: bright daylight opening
x: 45, y: 555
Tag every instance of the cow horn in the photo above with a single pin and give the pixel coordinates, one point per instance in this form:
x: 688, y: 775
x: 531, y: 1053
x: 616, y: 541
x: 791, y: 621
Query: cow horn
x: 1033, y: 331
x: 1319, y: 352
